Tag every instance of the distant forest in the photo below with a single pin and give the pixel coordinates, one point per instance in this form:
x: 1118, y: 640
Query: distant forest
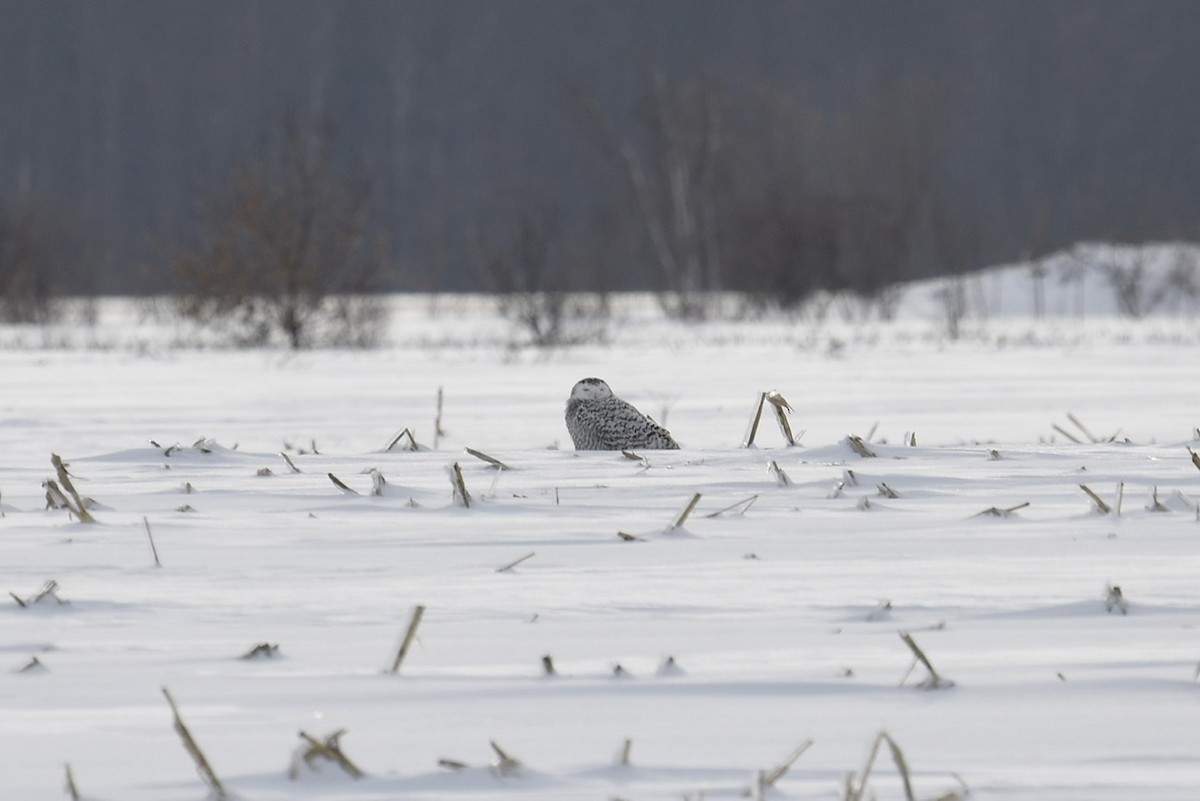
x: 774, y: 146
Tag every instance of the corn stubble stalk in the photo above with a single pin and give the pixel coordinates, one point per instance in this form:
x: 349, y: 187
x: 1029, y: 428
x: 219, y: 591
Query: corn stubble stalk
x: 505, y: 764
x: 859, y: 446
x: 1101, y: 507
x: 687, y: 511
x: 438, y: 433
x: 493, y: 461
x: 933, y: 681
x: 409, y: 635
x: 69, y: 785
x: 189, y: 744
x: 740, y: 508
x: 461, y: 496
x: 767, y: 779
x: 150, y: 537
x: 329, y: 749
x: 856, y: 784
x: 77, y: 506
x: 508, y: 567
x: 781, y: 408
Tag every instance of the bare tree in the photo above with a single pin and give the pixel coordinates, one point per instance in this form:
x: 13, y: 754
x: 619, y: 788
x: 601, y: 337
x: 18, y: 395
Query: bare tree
x: 286, y: 249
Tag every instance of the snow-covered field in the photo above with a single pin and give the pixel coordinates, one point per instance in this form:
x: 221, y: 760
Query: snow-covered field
x: 782, y: 616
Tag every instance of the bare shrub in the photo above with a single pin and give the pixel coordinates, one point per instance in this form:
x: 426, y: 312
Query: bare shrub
x: 39, y: 250
x: 286, y: 250
x: 532, y: 279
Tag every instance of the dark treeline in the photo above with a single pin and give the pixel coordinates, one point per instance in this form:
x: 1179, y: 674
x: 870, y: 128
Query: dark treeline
x: 684, y: 144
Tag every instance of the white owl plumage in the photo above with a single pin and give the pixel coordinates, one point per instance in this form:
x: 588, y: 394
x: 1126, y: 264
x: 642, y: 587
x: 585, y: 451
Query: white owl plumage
x: 600, y: 421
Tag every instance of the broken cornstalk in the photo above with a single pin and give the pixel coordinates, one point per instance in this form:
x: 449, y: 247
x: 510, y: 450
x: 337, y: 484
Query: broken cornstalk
x: 189, y: 744
x: 409, y: 635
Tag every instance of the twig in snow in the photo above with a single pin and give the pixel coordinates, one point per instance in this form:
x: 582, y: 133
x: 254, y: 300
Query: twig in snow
x: 1195, y: 457
x: 69, y: 786
x: 857, y: 445
x: 412, y: 441
x: 741, y: 507
x: 409, y: 635
x: 189, y: 744
x: 624, y: 753
x: 769, y: 778
x: 505, y: 765
x: 461, y: 496
x: 513, y: 564
x: 996, y: 511
x: 499, y: 465
x: 933, y: 681
x: 781, y: 477
x: 1115, y: 599
x: 337, y: 482
x: 630, y: 537
x: 856, y: 784
x: 886, y: 491
x: 683, y: 516
x: 438, y: 433
x: 150, y: 537
x: 1102, y: 507
x: 1155, y: 505
x: 329, y: 749
x: 264, y: 650
x: 548, y: 665
x: 752, y: 432
x: 288, y: 461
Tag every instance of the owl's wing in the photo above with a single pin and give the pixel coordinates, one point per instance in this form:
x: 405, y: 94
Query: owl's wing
x: 616, y: 425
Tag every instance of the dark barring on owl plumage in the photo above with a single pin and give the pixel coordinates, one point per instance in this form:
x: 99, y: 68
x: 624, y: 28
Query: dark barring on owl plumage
x: 600, y: 421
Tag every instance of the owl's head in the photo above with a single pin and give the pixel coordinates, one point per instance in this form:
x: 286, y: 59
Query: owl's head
x: 590, y: 389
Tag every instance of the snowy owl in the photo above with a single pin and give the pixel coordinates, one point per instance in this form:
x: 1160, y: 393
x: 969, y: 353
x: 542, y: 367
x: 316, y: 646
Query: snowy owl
x: 600, y: 421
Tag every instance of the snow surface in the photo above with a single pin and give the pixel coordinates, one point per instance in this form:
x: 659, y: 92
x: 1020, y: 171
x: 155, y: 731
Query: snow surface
x: 783, y: 618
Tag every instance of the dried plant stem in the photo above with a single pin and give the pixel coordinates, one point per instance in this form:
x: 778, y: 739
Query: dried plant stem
x: 742, y: 506
x: 934, y: 681
x: 758, y: 410
x: 1101, y: 506
x: 288, y: 461
x: 79, y: 508
x: 856, y: 785
x: 859, y: 446
x: 499, y: 465
x: 779, y: 771
x: 337, y: 482
x: 409, y: 635
x: 438, y: 433
x: 72, y: 790
x: 683, y: 516
x: 330, y: 748
x: 513, y: 564
x: 149, y: 536
x: 626, y: 748
x: 460, y: 486
x: 189, y: 744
